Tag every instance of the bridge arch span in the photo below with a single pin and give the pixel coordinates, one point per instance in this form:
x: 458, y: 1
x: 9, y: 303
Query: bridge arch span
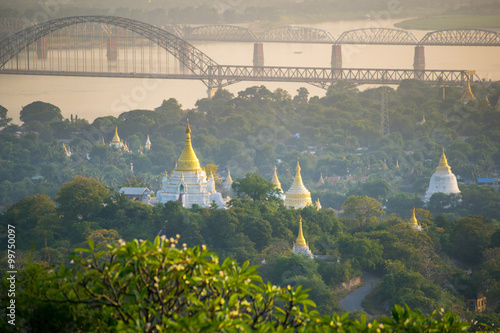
x: 192, y: 58
x: 221, y: 32
x: 289, y: 34
x: 384, y: 36
x: 461, y: 37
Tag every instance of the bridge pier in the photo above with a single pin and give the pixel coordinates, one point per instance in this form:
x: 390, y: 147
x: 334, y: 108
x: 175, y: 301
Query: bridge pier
x: 42, y: 50
x: 211, y: 92
x: 258, y: 54
x: 112, y: 49
x: 419, y: 58
x: 336, y: 61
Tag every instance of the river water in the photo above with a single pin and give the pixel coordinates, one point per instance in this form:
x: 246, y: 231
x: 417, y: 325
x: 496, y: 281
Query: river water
x: 90, y: 98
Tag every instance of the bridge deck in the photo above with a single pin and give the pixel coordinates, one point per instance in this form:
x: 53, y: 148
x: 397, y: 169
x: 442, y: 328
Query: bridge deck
x: 220, y: 76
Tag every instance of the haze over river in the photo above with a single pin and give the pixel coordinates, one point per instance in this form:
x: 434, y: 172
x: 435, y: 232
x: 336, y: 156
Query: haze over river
x: 94, y: 97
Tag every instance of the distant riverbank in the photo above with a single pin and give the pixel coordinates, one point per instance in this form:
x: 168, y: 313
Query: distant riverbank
x: 451, y: 22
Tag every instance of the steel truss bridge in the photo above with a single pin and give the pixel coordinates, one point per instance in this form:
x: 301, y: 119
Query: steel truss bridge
x: 374, y: 36
x: 296, y: 34
x: 106, y: 46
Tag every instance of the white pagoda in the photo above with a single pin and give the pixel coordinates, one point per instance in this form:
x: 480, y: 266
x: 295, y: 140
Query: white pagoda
x: 188, y: 182
x: 443, y: 180
x: 298, y: 196
x: 300, y: 246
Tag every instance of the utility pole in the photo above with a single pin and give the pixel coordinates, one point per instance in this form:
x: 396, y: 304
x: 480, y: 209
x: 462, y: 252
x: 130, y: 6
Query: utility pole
x: 384, y: 113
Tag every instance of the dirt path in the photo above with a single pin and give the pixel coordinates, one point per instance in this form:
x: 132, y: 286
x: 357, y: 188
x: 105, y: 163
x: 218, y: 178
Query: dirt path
x: 352, y: 302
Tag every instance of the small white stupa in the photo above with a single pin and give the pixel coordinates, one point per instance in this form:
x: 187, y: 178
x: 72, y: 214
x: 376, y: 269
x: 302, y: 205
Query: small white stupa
x: 443, y: 180
x: 147, y: 145
x: 300, y: 246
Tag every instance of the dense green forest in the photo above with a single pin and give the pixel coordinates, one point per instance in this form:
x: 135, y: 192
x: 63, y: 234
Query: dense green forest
x: 57, y: 201
x: 141, y: 286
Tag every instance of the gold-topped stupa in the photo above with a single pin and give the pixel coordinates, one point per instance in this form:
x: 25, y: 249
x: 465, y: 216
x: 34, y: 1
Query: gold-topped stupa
x: 188, y: 183
x: 413, y: 221
x: 298, y: 196
x: 116, y: 138
x: 318, y: 204
x: 300, y: 246
x: 188, y: 160
x: 228, y: 182
x: 116, y: 141
x: 443, y: 180
x: 275, y: 179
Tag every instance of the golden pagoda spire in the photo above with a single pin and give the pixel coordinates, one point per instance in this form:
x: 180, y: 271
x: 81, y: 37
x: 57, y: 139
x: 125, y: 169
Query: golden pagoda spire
x: 275, y: 179
x: 385, y: 165
x: 321, y: 179
x: 397, y: 164
x: 443, y: 162
x: 301, y: 241
x: 298, y: 176
x: 423, y: 118
x: 413, y: 220
x: 188, y: 160
x: 228, y: 178
x: 116, y: 138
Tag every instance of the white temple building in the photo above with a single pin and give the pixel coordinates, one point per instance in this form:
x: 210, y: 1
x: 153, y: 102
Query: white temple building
x: 442, y: 181
x: 188, y: 182
x: 300, y: 246
x: 298, y: 196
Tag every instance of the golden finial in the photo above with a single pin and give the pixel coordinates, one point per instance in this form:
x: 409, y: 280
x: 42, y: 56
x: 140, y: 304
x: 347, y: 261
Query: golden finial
x: 301, y: 241
x: 116, y: 138
x: 228, y: 178
x: 397, y: 164
x: 298, y: 176
x: 413, y: 219
x: 443, y: 162
x: 188, y: 160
